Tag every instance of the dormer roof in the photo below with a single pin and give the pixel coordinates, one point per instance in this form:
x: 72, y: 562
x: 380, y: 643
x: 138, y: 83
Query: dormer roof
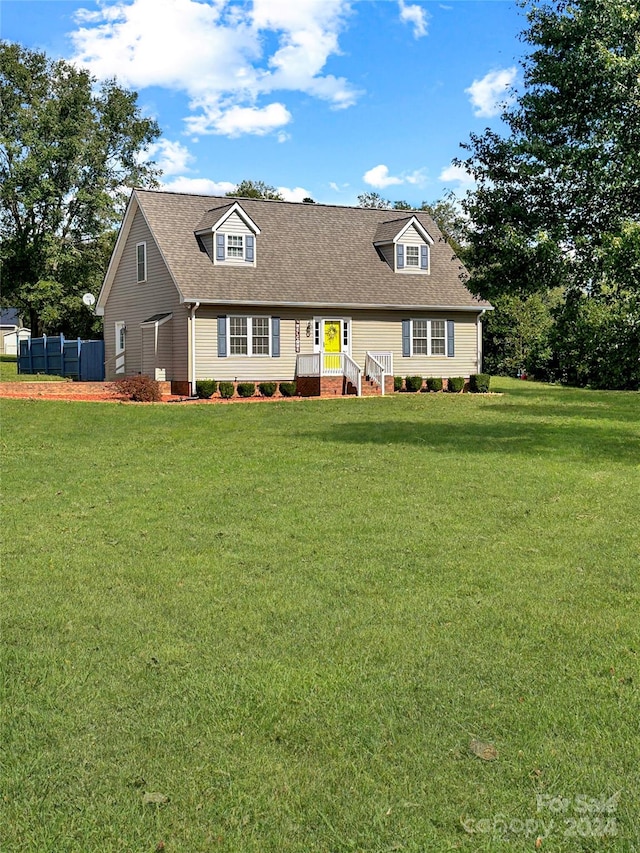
x: 216, y: 217
x: 392, y: 231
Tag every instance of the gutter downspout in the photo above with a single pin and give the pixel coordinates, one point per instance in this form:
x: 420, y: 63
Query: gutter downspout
x: 479, y: 340
x: 192, y: 320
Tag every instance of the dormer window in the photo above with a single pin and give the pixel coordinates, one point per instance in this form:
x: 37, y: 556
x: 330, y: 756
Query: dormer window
x: 413, y: 256
x: 229, y: 236
x: 404, y: 244
x: 235, y: 246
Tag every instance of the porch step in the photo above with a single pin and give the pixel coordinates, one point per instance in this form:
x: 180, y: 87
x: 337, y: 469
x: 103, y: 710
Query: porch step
x: 368, y: 388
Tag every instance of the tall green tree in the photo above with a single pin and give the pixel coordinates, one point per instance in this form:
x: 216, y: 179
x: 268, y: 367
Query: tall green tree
x: 69, y: 153
x: 373, y: 200
x: 256, y: 189
x: 562, y: 189
x: 450, y: 219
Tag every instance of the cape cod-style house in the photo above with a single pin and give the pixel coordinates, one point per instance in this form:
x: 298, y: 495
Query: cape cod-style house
x: 238, y: 289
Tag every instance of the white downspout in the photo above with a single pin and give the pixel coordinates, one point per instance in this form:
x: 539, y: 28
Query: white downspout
x: 479, y: 341
x: 192, y: 318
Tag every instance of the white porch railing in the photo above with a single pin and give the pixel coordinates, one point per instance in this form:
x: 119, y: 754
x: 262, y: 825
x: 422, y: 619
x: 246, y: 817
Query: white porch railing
x: 119, y: 359
x: 308, y: 364
x: 374, y: 370
x: 385, y: 359
x: 351, y: 370
x: 330, y: 364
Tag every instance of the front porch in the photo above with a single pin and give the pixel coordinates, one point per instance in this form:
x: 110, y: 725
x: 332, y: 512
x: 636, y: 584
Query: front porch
x: 328, y: 374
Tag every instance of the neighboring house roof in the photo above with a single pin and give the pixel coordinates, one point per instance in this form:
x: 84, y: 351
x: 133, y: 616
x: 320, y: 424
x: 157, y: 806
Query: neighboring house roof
x: 9, y: 317
x: 307, y: 254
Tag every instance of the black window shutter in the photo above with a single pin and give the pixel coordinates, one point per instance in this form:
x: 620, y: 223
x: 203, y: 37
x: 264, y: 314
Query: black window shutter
x: 220, y: 247
x: 275, y: 337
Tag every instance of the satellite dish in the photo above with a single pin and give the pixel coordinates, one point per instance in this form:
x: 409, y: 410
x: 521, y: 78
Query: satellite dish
x: 88, y: 299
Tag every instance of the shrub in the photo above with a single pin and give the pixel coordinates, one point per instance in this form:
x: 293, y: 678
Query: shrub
x: 206, y: 388
x: 413, y: 383
x: 288, y: 389
x: 455, y: 384
x: 267, y: 389
x: 398, y: 382
x: 226, y: 390
x: 140, y: 389
x: 246, y: 389
x: 479, y: 383
x: 434, y: 383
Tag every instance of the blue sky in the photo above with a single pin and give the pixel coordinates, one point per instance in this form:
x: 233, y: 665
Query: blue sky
x: 327, y: 98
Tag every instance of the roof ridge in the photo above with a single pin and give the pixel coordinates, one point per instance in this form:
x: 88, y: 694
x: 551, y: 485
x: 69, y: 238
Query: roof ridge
x: 277, y: 201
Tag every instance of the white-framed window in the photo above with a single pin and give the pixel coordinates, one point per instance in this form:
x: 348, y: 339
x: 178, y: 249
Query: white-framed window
x: 421, y: 337
x: 141, y: 262
x: 412, y: 256
x: 249, y: 335
x: 429, y: 337
x: 235, y: 246
x: 438, y: 338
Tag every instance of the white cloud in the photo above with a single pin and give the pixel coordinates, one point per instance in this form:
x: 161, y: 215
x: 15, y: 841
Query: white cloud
x: 419, y: 177
x: 380, y: 178
x: 172, y: 157
x: 457, y: 174
x: 489, y: 95
x: 415, y: 15
x: 204, y: 186
x: 214, y: 51
x: 295, y: 194
x: 338, y: 188
x: 199, y: 186
x: 239, y: 120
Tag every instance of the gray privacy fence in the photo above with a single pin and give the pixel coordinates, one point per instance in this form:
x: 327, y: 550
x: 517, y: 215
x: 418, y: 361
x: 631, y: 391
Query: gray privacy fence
x: 82, y: 360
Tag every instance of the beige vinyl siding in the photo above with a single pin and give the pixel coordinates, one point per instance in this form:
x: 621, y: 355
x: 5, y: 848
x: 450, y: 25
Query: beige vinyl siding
x: 207, y: 242
x: 157, y: 353
x: 133, y: 302
x: 388, y: 252
x: 235, y: 225
x: 411, y: 237
x: 383, y: 331
x: 253, y: 368
x: 370, y: 330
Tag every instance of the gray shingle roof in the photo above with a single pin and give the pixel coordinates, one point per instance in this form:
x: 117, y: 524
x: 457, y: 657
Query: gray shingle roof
x: 308, y: 254
x: 386, y: 231
x: 211, y: 216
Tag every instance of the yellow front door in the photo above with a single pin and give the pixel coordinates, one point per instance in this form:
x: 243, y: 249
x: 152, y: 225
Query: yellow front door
x: 332, y: 344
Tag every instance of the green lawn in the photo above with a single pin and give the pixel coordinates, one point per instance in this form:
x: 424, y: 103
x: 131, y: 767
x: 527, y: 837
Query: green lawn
x: 291, y: 619
x: 9, y: 372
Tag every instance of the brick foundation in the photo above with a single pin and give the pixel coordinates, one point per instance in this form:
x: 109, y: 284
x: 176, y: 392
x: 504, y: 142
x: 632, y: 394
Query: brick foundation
x: 332, y: 386
x: 182, y: 388
x: 69, y: 390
